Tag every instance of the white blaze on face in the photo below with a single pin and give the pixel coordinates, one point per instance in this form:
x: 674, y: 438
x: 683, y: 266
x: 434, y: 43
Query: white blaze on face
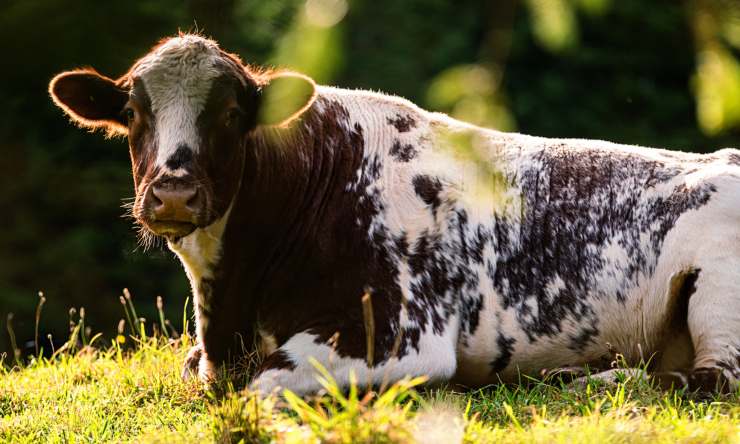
x: 178, y: 77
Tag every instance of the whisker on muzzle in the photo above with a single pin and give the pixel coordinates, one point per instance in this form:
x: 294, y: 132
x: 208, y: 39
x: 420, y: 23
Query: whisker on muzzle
x: 145, y: 239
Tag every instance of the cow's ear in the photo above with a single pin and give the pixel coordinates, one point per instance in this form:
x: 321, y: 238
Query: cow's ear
x: 285, y: 97
x: 91, y: 100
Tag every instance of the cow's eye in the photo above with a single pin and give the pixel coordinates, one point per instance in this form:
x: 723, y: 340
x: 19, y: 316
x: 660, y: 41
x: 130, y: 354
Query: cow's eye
x: 129, y: 113
x: 232, y: 117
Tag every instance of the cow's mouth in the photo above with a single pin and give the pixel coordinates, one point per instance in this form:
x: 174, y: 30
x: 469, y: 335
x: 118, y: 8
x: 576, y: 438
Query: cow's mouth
x: 172, y: 230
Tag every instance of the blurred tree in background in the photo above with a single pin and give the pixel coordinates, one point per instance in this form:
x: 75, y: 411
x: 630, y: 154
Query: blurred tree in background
x: 657, y: 73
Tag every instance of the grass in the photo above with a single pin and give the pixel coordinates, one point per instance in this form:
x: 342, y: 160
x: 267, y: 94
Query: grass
x: 90, y: 392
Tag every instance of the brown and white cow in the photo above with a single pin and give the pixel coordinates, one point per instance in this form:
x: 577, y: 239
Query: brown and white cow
x: 283, y: 219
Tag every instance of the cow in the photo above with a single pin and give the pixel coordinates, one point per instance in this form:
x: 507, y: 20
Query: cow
x: 483, y: 255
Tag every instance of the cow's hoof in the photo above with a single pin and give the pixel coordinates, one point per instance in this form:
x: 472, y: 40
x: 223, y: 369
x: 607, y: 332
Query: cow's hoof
x: 565, y: 374
x: 667, y: 381
x: 192, y: 361
x: 708, y: 381
x: 611, y: 377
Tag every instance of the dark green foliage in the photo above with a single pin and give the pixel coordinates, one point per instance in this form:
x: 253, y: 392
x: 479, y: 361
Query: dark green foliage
x: 627, y: 81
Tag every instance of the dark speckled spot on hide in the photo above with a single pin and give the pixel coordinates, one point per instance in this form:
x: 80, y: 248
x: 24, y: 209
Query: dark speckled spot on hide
x: 428, y: 189
x: 506, y: 349
x: 402, y: 123
x: 470, y: 317
x: 432, y: 273
x: 373, y: 168
x: 576, y: 204
x: 585, y: 335
x: 402, y: 152
x: 339, y: 249
x: 401, y: 244
x: 443, y: 278
x: 734, y: 159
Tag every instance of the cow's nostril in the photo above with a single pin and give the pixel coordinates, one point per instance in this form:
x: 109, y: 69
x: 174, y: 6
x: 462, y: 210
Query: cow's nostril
x: 194, y: 201
x: 156, y: 201
x: 159, y: 196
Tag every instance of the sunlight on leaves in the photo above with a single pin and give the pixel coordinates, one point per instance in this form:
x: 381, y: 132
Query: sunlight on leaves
x: 732, y: 32
x: 325, y: 13
x: 554, y: 23
x: 313, y: 44
x: 312, y: 47
x: 717, y: 84
x: 470, y: 93
x: 475, y: 156
x: 729, y: 18
x: 594, y: 7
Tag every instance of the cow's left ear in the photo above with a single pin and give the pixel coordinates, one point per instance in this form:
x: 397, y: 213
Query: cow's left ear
x: 285, y: 97
x: 90, y: 99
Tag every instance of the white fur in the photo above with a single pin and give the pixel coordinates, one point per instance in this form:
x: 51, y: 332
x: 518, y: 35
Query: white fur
x: 199, y: 252
x: 178, y: 77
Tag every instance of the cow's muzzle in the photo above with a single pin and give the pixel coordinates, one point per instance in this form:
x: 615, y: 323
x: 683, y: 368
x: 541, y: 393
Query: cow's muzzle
x: 174, y: 207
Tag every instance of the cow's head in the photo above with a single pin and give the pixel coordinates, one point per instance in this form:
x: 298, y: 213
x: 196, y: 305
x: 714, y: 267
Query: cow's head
x: 187, y: 108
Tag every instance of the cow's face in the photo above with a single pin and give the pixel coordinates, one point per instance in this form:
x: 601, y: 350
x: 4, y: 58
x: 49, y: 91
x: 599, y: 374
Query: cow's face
x: 187, y: 108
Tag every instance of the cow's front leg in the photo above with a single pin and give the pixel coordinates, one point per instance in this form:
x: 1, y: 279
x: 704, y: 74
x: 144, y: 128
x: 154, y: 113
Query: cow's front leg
x: 223, y: 329
x: 290, y: 366
x: 192, y: 362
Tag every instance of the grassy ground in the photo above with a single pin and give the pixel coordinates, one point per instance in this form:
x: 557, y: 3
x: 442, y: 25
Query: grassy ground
x: 97, y: 395
x: 131, y: 391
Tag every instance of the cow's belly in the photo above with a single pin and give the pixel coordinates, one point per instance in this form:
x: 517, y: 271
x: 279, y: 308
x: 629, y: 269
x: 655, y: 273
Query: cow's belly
x: 501, y: 348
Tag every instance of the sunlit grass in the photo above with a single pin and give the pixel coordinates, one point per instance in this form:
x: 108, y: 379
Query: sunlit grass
x: 98, y: 396
x: 114, y: 395
x: 131, y: 391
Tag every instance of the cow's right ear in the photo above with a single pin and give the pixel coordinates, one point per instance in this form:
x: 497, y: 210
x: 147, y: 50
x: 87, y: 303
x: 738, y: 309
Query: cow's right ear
x: 285, y: 97
x: 91, y: 100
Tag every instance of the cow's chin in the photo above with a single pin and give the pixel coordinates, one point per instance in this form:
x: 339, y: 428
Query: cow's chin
x: 171, y: 230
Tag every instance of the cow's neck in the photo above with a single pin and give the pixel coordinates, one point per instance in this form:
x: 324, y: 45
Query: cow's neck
x: 290, y: 194
x: 293, y: 183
